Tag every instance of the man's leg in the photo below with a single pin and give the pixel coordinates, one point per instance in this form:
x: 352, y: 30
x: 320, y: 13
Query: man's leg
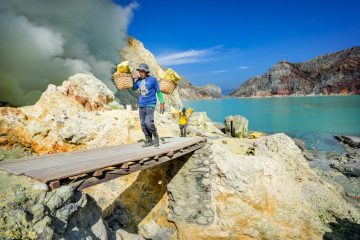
x: 150, y: 124
x: 181, y: 130
x: 185, y: 127
x: 147, y: 133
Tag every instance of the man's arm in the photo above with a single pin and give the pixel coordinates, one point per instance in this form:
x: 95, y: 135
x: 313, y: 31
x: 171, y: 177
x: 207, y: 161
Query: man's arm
x: 162, y: 103
x: 135, y: 86
x: 160, y: 96
x: 158, y: 91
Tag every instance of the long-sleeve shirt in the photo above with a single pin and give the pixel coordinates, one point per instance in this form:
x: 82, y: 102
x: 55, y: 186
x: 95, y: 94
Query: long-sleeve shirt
x: 153, y: 89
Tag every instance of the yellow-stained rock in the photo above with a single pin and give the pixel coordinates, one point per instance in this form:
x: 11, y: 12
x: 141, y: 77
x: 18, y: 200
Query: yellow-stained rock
x: 230, y: 189
x: 136, y: 53
x: 255, y: 135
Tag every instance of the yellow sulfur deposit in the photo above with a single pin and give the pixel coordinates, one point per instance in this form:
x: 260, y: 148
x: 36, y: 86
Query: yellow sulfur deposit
x: 172, y: 75
x: 175, y: 113
x: 255, y: 135
x: 124, y: 67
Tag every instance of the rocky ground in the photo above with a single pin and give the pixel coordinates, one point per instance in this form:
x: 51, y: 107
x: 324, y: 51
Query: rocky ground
x: 233, y: 188
x: 341, y: 169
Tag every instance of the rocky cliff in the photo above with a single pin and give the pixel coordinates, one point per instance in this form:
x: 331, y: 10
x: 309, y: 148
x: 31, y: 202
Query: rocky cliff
x: 136, y: 53
x: 336, y: 73
x: 189, y: 91
x: 233, y: 188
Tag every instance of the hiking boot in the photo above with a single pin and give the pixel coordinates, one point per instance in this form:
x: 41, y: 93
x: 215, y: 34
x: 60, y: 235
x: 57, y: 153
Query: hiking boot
x: 156, y: 139
x: 148, y: 142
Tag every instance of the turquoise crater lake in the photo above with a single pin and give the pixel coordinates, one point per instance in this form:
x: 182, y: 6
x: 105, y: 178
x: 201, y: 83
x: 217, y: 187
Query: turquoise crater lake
x: 315, y: 119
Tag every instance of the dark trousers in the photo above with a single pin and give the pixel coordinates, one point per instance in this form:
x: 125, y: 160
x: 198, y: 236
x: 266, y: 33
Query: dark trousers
x: 147, y: 121
x: 183, y: 130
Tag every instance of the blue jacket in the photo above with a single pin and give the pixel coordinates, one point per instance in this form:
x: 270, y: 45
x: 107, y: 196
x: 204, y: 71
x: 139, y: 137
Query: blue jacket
x: 153, y: 87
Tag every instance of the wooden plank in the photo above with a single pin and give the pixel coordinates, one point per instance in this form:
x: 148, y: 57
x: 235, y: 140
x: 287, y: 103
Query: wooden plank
x: 76, y: 167
x: 58, y: 166
x: 133, y: 154
x: 17, y: 166
x: 54, y: 161
x: 100, y: 157
x: 120, y: 172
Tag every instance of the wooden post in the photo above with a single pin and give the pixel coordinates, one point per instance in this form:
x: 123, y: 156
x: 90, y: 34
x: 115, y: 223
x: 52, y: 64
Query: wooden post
x: 98, y: 173
x: 170, y: 154
x: 54, y: 185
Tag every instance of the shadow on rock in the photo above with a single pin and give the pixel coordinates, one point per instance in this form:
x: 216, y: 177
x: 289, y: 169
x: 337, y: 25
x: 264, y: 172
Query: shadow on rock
x: 85, y: 223
x: 138, y: 200
x: 343, y: 229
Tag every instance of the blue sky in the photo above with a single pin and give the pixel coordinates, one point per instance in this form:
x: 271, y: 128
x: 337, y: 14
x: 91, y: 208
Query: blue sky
x: 227, y: 42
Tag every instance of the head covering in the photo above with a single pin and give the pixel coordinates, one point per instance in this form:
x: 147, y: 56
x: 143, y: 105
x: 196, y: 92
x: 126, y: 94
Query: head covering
x: 143, y: 67
x: 184, y: 109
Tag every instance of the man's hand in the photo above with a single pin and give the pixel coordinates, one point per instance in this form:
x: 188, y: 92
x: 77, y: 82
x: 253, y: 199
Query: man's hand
x: 162, y: 108
x: 135, y: 76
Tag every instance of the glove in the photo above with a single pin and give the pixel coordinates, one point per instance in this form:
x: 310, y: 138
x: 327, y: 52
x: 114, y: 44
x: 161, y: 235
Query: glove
x: 162, y: 108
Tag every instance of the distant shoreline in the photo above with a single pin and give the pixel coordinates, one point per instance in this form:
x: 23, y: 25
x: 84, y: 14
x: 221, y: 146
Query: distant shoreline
x: 274, y: 96
x: 283, y: 96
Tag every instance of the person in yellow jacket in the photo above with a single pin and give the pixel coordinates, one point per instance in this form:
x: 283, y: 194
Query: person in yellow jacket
x: 183, y: 120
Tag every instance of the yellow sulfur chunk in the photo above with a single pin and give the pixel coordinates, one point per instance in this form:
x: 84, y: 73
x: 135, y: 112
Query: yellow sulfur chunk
x: 172, y: 75
x: 255, y: 135
x: 124, y: 67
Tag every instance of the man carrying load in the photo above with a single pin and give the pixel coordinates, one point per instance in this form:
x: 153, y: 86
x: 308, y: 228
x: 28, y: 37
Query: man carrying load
x: 183, y: 120
x: 149, y: 88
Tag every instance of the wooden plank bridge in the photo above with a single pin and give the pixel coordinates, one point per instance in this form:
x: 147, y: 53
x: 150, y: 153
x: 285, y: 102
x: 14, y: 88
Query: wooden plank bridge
x: 93, y: 166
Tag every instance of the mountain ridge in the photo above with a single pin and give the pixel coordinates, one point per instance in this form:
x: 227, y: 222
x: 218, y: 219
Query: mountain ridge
x: 329, y: 74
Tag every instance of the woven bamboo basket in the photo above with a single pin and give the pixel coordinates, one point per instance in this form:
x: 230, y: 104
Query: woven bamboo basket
x: 122, y: 80
x: 167, y: 86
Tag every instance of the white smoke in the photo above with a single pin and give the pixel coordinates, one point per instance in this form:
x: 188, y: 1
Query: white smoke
x: 44, y: 42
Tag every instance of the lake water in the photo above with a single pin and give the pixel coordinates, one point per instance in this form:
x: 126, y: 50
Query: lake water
x: 314, y: 119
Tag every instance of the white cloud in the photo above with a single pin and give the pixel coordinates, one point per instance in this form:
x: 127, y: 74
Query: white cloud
x: 244, y: 67
x: 218, y: 71
x: 189, y: 56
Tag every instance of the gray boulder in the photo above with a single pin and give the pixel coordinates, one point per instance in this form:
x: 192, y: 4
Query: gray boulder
x: 219, y: 126
x: 236, y: 126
